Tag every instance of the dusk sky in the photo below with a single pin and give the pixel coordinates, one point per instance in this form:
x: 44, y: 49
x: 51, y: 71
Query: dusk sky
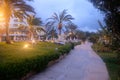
x: 85, y: 14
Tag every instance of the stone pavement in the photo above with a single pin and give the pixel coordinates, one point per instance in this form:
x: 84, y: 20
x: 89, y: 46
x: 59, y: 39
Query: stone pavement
x: 81, y: 64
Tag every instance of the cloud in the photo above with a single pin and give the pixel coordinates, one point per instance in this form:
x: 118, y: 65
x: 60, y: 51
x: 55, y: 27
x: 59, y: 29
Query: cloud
x: 85, y: 14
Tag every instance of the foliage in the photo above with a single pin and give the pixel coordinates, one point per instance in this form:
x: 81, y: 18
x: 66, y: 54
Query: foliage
x: 58, y: 20
x: 111, y: 9
x: 14, y: 8
x: 34, y: 26
x: 17, y: 61
x: 112, y: 63
x: 71, y: 30
x: 52, y: 34
x: 93, y: 37
x: 71, y: 27
x: 101, y: 48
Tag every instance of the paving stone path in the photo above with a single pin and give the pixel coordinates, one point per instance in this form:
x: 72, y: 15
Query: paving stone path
x: 81, y: 64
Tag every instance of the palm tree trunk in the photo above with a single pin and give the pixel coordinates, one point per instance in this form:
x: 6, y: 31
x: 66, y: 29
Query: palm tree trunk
x: 31, y: 37
x: 8, y: 41
x: 60, y: 28
x: 59, y: 31
x: 7, y: 14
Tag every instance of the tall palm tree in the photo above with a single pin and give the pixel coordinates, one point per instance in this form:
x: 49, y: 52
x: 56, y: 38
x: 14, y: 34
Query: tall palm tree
x: 60, y: 19
x: 14, y: 8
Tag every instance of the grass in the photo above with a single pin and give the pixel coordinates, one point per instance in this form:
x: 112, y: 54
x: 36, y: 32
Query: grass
x: 111, y: 61
x: 16, y: 60
x: 16, y: 51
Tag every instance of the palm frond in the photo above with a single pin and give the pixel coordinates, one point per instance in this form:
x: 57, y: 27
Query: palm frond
x: 68, y: 18
x: 62, y: 14
x: 56, y: 17
x: 50, y: 25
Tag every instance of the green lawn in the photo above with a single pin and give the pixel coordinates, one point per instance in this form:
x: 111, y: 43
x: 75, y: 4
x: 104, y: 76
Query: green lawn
x: 17, y: 51
x: 111, y: 61
x: 16, y: 60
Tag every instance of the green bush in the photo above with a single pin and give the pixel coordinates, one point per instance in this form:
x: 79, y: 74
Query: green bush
x: 17, y: 63
x: 111, y: 60
x: 101, y: 48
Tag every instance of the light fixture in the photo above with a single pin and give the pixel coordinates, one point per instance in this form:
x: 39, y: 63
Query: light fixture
x: 26, y: 46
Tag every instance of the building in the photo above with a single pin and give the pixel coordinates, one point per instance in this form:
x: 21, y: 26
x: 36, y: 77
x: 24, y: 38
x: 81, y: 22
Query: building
x: 19, y: 31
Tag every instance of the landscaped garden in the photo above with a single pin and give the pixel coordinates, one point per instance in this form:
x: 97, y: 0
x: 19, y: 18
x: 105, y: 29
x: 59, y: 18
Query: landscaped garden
x: 20, y: 58
x: 20, y: 26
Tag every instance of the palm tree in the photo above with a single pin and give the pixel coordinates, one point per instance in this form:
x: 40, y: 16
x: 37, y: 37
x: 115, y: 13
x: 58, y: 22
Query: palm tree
x: 71, y: 29
x: 104, y: 33
x: 33, y: 23
x: 52, y: 34
x: 15, y: 8
x: 60, y: 19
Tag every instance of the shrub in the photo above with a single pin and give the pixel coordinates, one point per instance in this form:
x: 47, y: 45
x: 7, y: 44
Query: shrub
x: 14, y: 65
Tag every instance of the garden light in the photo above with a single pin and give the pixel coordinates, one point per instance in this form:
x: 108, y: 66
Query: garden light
x: 33, y: 41
x: 26, y: 46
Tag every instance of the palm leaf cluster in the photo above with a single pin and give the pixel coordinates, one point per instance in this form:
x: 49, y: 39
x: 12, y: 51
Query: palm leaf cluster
x: 58, y: 21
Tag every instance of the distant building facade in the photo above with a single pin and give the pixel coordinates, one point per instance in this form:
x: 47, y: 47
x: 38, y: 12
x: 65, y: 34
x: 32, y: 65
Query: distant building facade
x: 19, y: 31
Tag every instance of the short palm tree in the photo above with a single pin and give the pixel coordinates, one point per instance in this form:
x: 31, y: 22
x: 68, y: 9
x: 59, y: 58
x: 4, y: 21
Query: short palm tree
x: 34, y: 26
x: 71, y: 29
x: 14, y: 8
x: 59, y: 20
x: 104, y: 33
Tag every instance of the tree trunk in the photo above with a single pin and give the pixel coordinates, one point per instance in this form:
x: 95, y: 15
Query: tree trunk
x: 60, y: 28
x: 59, y: 31
x: 31, y: 35
x: 8, y: 41
x: 7, y: 14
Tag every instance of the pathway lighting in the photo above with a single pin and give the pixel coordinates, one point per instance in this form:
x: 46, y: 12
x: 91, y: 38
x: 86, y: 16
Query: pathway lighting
x: 26, y: 46
x: 33, y: 41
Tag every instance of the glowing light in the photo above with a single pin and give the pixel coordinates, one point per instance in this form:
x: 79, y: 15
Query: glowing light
x: 52, y: 41
x: 33, y: 41
x: 26, y: 46
x: 1, y: 14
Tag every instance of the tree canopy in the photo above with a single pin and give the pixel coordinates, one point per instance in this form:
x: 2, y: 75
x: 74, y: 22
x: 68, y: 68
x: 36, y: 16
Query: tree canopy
x: 59, y: 20
x: 111, y: 8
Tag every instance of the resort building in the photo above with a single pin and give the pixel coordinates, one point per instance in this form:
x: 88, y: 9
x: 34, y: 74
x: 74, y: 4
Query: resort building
x: 19, y: 31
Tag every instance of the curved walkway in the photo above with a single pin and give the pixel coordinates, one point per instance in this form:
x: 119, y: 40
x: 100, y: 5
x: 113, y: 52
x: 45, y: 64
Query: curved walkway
x: 81, y: 64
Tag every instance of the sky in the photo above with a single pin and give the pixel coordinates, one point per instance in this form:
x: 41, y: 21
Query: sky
x: 85, y: 14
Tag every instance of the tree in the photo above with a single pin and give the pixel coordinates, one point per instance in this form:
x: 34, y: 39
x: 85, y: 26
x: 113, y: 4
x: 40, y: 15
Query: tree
x: 33, y: 22
x: 71, y: 29
x: 52, y: 34
x: 80, y: 35
x: 111, y: 9
x: 14, y: 8
x: 59, y: 19
x: 104, y: 34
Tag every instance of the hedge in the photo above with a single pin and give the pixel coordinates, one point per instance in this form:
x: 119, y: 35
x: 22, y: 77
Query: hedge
x: 17, y: 68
